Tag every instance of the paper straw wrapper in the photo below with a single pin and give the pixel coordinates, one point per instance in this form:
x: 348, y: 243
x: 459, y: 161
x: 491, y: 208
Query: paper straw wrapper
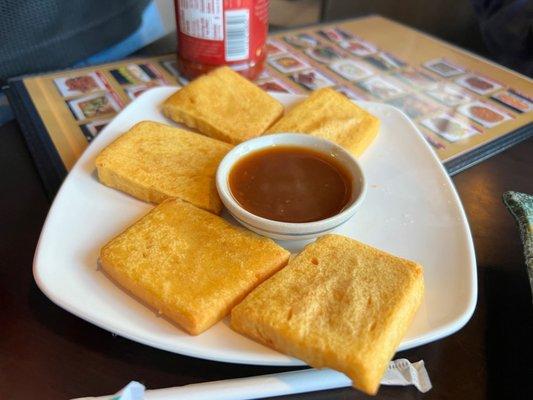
x: 400, y: 372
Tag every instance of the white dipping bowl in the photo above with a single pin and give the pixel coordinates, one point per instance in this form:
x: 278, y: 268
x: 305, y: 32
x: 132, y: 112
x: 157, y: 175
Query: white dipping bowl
x: 290, y: 230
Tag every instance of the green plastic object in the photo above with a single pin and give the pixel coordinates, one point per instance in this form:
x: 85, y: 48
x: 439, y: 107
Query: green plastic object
x: 521, y: 206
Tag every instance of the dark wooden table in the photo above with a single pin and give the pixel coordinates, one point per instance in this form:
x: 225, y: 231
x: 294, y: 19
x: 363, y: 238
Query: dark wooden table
x: 47, y: 353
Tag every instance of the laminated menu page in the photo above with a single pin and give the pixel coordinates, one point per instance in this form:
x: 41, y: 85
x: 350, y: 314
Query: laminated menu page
x: 466, y: 107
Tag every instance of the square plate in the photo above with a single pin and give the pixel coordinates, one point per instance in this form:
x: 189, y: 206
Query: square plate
x: 411, y: 210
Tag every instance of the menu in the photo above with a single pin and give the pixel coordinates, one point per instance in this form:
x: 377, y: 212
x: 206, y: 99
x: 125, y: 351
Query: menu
x: 466, y: 107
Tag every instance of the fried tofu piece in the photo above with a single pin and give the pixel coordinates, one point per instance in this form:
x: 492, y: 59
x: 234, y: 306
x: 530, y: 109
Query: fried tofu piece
x: 224, y: 105
x: 154, y: 162
x: 339, y: 304
x: 189, y: 264
x: 331, y: 115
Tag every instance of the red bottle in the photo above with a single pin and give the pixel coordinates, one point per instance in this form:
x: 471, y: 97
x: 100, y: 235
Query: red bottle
x: 212, y: 33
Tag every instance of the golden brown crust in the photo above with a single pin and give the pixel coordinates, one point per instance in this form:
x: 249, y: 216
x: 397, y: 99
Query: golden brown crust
x: 339, y: 304
x: 189, y: 264
x: 224, y: 105
x: 331, y: 115
x: 154, y: 162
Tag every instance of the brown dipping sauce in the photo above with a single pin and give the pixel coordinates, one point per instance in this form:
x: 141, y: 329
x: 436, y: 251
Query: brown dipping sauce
x: 290, y: 184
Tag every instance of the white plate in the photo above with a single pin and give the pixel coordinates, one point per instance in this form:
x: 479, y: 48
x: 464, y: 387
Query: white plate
x: 411, y: 210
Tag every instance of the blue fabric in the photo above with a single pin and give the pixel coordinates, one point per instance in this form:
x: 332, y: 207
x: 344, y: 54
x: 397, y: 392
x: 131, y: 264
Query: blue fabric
x: 151, y: 29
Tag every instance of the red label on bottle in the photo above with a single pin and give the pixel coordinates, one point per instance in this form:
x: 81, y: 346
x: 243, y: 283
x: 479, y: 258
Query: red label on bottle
x: 216, y: 32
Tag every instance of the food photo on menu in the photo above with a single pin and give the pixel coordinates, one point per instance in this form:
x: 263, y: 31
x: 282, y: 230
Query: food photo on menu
x: 79, y: 85
x: 324, y: 54
x: 450, y: 128
x: 478, y: 84
x: 416, y: 78
x: 94, y: 106
x: 275, y: 198
x: 274, y: 85
x: 443, y: 68
x: 312, y: 79
x: 351, y: 70
x: 381, y: 88
x: 302, y: 40
x: 414, y: 106
x: 385, y: 61
x: 450, y: 95
x: 514, y: 100
x: 287, y: 63
x: 358, y: 47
